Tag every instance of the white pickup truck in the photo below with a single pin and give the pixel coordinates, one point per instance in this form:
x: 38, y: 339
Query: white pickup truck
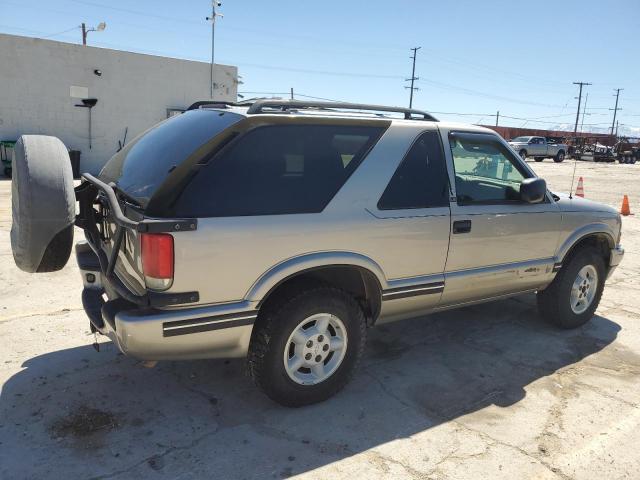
x: 538, y: 148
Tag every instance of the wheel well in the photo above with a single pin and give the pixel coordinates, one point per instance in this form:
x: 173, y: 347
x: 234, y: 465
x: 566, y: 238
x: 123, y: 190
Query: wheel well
x: 357, y: 281
x: 599, y: 241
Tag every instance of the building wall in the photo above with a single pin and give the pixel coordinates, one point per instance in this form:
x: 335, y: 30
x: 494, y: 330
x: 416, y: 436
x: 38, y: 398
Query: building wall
x: 134, y: 92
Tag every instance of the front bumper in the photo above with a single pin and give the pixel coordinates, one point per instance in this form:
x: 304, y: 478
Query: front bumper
x: 615, y: 258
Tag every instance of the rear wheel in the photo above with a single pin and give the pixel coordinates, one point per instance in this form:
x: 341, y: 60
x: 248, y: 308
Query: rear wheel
x: 559, y: 158
x: 306, y: 348
x: 573, y: 296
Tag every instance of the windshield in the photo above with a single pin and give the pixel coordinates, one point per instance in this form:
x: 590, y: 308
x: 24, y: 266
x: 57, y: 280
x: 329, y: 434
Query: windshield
x: 521, y: 139
x: 144, y: 164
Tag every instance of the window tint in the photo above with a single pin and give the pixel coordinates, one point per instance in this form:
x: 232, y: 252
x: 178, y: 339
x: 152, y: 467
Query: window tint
x: 421, y: 179
x: 485, y: 171
x: 278, y: 170
x: 141, y: 167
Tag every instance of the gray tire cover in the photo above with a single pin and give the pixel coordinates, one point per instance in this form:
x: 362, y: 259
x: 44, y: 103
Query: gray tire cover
x: 42, y: 203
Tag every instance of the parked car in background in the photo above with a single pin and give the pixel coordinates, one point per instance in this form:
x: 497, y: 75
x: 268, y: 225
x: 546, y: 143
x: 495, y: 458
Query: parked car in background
x: 281, y: 231
x: 539, y: 148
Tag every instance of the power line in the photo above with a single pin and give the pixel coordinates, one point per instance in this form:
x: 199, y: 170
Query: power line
x: 413, y: 76
x: 60, y: 33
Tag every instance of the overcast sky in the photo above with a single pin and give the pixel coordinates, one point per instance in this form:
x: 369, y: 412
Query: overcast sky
x: 477, y: 57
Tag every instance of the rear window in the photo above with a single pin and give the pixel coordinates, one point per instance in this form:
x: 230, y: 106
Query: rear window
x: 279, y: 169
x: 144, y: 164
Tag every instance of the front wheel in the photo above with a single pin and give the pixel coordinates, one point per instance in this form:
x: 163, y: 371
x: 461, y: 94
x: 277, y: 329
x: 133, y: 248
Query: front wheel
x: 306, y: 348
x: 572, y: 298
x: 523, y: 154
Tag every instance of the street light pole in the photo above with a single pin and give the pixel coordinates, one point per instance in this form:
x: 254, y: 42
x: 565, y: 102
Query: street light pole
x: 212, y: 19
x: 101, y: 26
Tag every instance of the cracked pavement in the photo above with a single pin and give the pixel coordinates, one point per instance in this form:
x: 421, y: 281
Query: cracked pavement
x: 489, y: 391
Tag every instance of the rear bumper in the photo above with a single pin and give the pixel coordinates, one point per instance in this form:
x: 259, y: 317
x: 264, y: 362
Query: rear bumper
x: 149, y: 333
x: 222, y: 331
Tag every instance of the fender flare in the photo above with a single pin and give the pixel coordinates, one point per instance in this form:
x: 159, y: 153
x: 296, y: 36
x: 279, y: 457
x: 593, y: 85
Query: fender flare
x: 296, y: 265
x: 580, y: 234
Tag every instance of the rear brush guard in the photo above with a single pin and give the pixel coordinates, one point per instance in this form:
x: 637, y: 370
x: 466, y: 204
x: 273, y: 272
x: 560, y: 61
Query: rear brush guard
x: 93, y: 192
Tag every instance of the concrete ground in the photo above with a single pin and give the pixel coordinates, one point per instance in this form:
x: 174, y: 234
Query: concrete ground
x: 489, y: 391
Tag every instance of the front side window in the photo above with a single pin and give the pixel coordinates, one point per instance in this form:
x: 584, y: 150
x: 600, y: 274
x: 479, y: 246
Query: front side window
x: 279, y: 169
x: 485, y: 171
x: 421, y: 179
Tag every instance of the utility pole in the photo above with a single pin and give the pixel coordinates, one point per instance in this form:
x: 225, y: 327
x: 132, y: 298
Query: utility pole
x: 497, y: 117
x: 413, y: 76
x: 291, y: 93
x: 575, y: 128
x: 212, y: 19
x: 615, y: 109
x: 617, y: 125
x: 84, y: 34
x: 584, y: 110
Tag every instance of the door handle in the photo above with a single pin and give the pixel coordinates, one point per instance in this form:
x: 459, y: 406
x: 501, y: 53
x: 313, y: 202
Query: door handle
x: 462, y: 226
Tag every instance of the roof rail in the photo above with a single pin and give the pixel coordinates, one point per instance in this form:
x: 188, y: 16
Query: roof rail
x: 409, y: 113
x: 215, y: 104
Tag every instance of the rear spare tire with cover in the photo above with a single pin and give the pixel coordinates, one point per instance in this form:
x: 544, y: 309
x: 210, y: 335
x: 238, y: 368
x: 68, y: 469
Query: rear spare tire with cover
x: 42, y: 204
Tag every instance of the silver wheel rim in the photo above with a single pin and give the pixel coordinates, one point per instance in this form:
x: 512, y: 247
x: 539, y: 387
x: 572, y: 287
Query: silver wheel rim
x: 315, y: 349
x: 584, y: 289
x: 523, y: 155
x: 561, y: 156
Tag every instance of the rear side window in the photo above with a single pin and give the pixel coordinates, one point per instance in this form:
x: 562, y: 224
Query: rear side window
x: 421, y: 179
x: 279, y: 169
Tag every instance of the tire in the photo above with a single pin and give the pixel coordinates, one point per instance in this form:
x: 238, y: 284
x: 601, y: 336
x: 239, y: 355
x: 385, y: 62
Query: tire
x: 559, y: 158
x: 7, y: 172
x: 42, y: 204
x: 538, y: 159
x: 523, y: 154
x: 555, y: 303
x: 272, y: 342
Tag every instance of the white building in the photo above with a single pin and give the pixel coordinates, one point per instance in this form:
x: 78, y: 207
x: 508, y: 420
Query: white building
x: 42, y: 82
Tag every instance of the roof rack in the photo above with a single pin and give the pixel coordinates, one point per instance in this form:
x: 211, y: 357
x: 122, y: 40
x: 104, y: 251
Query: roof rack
x: 409, y: 113
x: 216, y: 104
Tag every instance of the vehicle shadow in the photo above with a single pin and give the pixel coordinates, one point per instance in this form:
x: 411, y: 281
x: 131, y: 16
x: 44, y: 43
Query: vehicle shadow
x: 202, y: 418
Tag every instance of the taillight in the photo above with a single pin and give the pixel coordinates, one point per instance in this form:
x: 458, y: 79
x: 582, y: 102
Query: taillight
x: 157, y: 260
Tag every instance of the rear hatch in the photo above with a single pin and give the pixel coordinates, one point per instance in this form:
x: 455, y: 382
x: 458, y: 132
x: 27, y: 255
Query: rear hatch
x: 160, y: 159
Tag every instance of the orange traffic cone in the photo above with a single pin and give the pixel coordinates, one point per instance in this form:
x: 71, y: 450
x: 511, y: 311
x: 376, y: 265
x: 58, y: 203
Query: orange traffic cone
x: 580, y: 189
x: 625, y: 210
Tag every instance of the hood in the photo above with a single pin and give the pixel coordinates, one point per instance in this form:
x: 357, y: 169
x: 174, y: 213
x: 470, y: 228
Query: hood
x: 579, y: 204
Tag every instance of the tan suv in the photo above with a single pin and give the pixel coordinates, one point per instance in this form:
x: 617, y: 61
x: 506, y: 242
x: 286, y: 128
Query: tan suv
x: 282, y: 230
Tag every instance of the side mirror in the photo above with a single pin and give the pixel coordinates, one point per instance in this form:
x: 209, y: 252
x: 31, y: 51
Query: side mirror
x: 533, y: 190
